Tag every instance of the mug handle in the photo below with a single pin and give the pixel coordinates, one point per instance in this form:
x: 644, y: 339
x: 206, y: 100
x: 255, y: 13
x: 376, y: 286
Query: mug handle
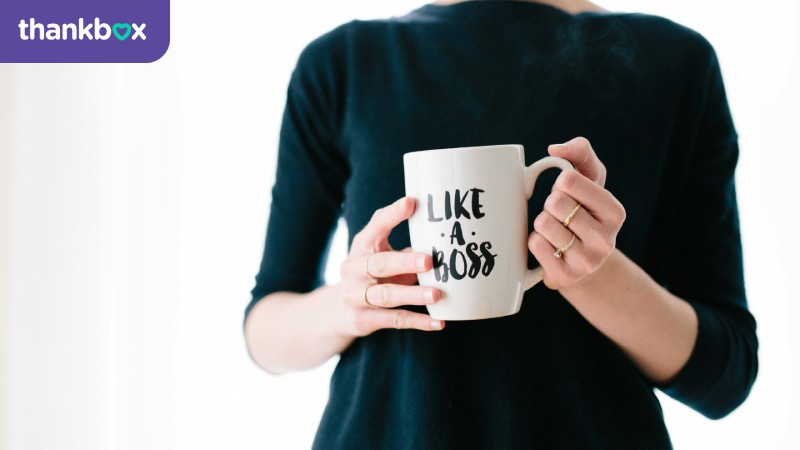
x: 532, y: 172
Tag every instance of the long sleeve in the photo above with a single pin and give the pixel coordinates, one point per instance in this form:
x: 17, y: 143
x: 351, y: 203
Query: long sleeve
x: 703, y: 263
x: 648, y: 93
x: 311, y: 173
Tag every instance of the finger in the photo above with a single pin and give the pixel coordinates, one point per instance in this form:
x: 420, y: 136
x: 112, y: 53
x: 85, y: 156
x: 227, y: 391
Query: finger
x: 560, y: 205
x: 369, y: 320
x: 385, y: 265
x: 556, y: 234
x: 392, y: 295
x: 543, y: 252
x: 580, y: 153
x: 389, y: 264
x: 402, y: 319
x: 593, y: 198
x: 383, y: 222
x: 407, y: 279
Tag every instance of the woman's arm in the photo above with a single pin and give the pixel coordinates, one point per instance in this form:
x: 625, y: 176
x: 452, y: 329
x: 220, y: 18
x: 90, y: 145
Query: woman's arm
x: 654, y: 327
x: 697, y: 340
x: 287, y: 331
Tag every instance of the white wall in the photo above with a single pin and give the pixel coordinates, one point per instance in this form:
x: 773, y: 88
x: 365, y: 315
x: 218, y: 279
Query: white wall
x: 134, y: 199
x: 6, y: 90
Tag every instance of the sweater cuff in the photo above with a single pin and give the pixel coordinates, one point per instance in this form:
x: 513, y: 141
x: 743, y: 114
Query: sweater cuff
x: 698, y: 383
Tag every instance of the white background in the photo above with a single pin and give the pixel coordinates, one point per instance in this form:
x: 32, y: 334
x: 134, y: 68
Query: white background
x: 133, y: 204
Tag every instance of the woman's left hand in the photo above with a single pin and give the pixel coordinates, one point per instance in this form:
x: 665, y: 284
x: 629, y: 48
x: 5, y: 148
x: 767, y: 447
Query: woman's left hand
x: 595, y: 224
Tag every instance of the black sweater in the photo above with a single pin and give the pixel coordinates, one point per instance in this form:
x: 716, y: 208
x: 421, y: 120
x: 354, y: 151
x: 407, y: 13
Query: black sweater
x: 649, y: 96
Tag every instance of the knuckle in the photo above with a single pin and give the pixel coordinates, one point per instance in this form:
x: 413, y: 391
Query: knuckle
x: 413, y: 295
x: 392, y: 212
x: 599, y: 250
x: 582, y: 141
x: 376, y: 216
x: 398, y: 320
x: 540, y: 221
x: 377, y: 263
x: 621, y: 215
x: 384, y: 296
x: 532, y: 243
x: 399, y: 210
x: 612, y: 244
x: 410, y: 262
x: 358, y: 240
x: 359, y: 321
x: 585, y: 148
x: 343, y: 268
x: 606, y: 246
x: 554, y: 201
x: 567, y: 179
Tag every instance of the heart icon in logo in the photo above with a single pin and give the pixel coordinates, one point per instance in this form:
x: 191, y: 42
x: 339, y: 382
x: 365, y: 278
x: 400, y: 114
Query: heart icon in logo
x: 121, y: 26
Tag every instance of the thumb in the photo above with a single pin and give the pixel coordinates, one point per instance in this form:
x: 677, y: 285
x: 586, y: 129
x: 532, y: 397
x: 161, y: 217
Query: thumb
x: 580, y: 153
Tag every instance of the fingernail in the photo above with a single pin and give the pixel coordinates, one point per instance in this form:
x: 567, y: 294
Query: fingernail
x: 561, y: 147
x: 437, y: 324
x: 421, y: 263
x: 428, y: 295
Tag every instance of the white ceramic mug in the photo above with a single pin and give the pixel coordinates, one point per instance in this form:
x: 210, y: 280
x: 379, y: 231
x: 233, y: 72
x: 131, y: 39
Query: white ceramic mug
x: 472, y: 217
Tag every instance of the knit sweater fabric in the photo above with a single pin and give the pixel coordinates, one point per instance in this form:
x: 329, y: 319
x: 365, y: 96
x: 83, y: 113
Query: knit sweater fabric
x: 647, y: 93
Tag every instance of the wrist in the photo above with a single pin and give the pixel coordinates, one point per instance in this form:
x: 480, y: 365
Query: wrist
x: 592, y: 282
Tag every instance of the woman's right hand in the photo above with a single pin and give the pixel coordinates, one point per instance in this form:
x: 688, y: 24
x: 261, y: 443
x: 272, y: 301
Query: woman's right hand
x: 376, y: 278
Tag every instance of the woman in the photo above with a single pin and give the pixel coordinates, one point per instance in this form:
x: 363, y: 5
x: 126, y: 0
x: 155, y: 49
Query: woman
x: 658, y: 303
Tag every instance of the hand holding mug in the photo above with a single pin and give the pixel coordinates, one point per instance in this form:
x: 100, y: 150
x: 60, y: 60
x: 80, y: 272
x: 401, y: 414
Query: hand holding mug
x: 376, y: 278
x: 578, y: 206
x: 472, y: 218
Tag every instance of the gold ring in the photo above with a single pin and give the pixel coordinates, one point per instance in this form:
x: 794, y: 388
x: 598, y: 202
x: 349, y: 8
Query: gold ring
x: 560, y: 251
x: 366, y: 268
x: 364, y: 296
x: 572, y: 215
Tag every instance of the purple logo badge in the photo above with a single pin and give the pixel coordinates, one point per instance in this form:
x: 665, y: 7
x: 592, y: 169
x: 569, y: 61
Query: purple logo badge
x: 83, y: 30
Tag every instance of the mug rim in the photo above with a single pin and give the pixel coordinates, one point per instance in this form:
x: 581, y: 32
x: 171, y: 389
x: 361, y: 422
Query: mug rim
x: 517, y: 147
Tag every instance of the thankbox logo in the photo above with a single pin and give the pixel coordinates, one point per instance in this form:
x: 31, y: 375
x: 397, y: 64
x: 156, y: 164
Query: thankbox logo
x: 31, y: 30
x: 83, y: 30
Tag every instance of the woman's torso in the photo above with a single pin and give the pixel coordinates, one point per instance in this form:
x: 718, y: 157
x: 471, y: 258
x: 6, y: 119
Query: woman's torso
x: 481, y: 73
